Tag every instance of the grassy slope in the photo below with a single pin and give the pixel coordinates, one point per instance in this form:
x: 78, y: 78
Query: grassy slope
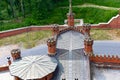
x: 27, y: 39
x: 32, y: 39
x: 105, y: 34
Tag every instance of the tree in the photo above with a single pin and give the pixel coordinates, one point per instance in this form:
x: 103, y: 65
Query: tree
x: 22, y: 8
x: 11, y: 4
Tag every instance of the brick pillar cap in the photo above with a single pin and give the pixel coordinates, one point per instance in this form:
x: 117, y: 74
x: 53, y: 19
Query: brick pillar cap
x: 87, y: 26
x: 51, y: 42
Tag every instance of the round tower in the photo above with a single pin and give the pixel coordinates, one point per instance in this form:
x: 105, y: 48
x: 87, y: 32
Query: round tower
x: 88, y: 43
x: 51, y: 43
x: 86, y: 28
x: 16, y: 54
x: 55, y: 29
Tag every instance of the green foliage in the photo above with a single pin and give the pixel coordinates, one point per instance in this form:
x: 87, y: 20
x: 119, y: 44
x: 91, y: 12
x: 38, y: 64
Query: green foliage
x: 40, y: 12
x: 94, y: 15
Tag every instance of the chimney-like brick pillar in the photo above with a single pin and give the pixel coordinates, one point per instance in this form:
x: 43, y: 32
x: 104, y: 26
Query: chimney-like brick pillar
x: 87, y: 28
x: 9, y: 61
x: 51, y: 47
x: 70, y: 20
x: 16, y: 54
x: 88, y: 46
x: 55, y: 29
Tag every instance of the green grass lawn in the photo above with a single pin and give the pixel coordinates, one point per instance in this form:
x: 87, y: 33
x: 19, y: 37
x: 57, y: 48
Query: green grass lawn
x: 28, y: 40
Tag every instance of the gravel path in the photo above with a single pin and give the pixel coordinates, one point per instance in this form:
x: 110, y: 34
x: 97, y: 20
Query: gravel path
x: 95, y: 6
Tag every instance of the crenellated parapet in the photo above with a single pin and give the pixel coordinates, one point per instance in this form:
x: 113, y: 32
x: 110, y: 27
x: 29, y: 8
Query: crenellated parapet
x: 51, y: 43
x: 105, y: 59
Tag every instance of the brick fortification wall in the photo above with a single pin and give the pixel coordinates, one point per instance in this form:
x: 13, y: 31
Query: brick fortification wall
x: 105, y: 59
x: 114, y: 22
x: 24, y: 30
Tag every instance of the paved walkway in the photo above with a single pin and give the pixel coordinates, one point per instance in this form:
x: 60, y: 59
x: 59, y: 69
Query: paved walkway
x: 95, y: 6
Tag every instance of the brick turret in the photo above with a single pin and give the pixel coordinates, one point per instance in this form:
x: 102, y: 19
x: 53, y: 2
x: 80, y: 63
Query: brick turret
x: 70, y: 15
x: 55, y: 29
x: 16, y: 54
x: 51, y: 46
x: 86, y: 28
x: 88, y: 43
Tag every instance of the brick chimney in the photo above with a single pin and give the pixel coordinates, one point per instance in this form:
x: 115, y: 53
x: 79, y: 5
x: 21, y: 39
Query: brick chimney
x: 88, y: 46
x: 70, y: 15
x: 51, y: 43
x: 86, y: 28
x: 55, y: 29
x: 16, y: 54
x: 9, y: 61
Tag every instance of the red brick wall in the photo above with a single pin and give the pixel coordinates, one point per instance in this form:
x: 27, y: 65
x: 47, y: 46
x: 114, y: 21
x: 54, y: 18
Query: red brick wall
x: 114, y: 23
x: 4, y: 68
x: 105, y: 59
x: 24, y: 30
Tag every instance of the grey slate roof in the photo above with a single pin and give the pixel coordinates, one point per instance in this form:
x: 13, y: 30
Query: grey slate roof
x: 107, y: 47
x: 105, y: 74
x: 73, y: 64
x: 99, y: 47
x: 70, y: 39
x: 33, y: 67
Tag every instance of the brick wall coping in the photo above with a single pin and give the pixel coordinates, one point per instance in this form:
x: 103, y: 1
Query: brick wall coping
x: 32, y: 26
x: 107, y: 22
